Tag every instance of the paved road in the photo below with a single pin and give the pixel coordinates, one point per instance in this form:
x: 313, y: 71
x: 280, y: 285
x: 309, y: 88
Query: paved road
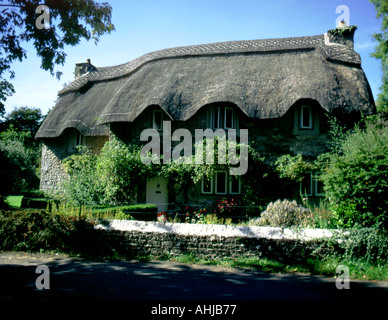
x: 72, y: 278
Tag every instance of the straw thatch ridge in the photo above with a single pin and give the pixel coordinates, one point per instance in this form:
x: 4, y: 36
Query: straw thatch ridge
x: 264, y: 78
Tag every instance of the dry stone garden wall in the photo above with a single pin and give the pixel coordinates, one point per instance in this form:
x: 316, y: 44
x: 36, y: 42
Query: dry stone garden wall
x: 213, y: 241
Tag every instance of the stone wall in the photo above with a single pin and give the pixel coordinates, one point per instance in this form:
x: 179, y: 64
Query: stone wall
x: 211, y: 241
x: 55, y: 150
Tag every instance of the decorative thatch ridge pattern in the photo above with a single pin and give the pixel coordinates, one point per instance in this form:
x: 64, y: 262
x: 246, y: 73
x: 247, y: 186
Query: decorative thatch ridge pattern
x: 336, y: 52
x: 264, y: 78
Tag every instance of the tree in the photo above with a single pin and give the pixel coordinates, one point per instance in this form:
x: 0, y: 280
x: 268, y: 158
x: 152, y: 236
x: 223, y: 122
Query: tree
x: 381, y: 52
x: 24, y: 119
x: 17, y: 163
x: 69, y: 22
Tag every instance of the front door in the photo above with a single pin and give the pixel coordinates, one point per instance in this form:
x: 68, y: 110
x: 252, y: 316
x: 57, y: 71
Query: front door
x: 157, y: 193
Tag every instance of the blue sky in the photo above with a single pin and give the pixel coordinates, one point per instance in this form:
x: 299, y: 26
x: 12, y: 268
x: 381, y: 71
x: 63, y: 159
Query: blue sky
x: 149, y: 25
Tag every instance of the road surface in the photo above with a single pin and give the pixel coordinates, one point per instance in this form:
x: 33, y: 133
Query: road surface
x: 161, y: 282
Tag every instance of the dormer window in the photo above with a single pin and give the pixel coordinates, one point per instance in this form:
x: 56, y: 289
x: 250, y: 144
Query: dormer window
x: 306, y: 118
x: 223, y: 118
x: 76, y: 139
x: 157, y: 120
x: 79, y: 140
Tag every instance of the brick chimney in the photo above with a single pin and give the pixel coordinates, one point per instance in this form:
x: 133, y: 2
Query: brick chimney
x: 83, y: 68
x: 343, y: 34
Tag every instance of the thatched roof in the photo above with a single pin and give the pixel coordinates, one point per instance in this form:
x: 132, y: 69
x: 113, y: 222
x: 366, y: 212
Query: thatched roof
x: 264, y: 78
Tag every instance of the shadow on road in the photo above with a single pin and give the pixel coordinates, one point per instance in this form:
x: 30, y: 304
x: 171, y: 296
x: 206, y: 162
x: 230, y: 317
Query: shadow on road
x: 72, y: 279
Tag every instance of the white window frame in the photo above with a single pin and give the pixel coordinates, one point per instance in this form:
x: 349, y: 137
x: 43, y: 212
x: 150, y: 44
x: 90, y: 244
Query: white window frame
x: 211, y: 186
x: 239, y: 186
x: 310, y: 126
x: 216, y: 182
x: 311, y: 186
x: 220, y: 121
x: 154, y: 124
x: 233, y: 120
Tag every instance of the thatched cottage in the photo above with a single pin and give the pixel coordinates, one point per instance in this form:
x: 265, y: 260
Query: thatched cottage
x: 278, y: 89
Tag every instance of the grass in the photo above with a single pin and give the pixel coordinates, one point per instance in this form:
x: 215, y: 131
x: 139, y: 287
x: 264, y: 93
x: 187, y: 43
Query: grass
x: 14, y: 201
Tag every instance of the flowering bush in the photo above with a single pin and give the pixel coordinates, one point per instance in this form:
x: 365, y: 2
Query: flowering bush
x: 228, y: 205
x: 162, y: 217
x: 284, y: 214
x: 197, y: 216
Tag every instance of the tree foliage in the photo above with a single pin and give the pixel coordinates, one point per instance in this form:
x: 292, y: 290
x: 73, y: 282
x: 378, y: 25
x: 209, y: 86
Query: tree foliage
x: 70, y: 22
x: 381, y: 52
x: 119, y: 170
x: 18, y: 162
x: 356, y: 180
x: 24, y: 119
x: 82, y: 186
x: 19, y: 151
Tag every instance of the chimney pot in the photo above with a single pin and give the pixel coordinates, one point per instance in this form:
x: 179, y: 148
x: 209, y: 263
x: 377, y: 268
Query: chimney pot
x: 83, y: 67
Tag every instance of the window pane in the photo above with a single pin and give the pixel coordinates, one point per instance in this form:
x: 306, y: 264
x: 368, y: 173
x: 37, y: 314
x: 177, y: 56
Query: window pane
x: 306, y: 120
x: 206, y: 185
x: 319, y: 185
x: 221, y: 182
x: 216, y: 118
x: 235, y: 185
x: 229, y: 118
x: 306, y: 185
x: 78, y: 139
x: 158, y: 120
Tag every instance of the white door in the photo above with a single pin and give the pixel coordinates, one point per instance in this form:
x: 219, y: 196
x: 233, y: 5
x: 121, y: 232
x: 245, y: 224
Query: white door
x: 157, y: 193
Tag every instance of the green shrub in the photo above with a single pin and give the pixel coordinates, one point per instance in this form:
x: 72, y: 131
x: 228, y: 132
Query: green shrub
x: 126, y: 212
x: 83, y: 186
x: 355, y: 177
x: 293, y: 167
x: 119, y: 170
x: 370, y: 244
x: 283, y: 214
x: 17, y: 167
x: 129, y: 208
x: 27, y: 230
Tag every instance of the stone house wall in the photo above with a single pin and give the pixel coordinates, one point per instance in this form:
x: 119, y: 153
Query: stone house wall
x: 270, y: 137
x: 55, y: 150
